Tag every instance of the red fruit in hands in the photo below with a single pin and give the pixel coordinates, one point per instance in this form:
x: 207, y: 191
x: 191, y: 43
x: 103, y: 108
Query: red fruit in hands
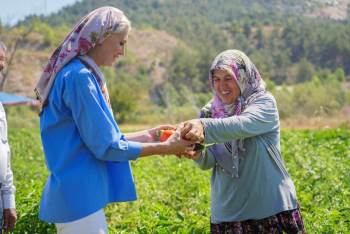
x: 165, y: 134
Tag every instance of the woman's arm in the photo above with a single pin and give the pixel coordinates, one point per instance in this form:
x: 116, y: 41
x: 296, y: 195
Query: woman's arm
x: 205, y: 160
x: 140, y: 136
x: 174, y: 145
x: 98, y: 129
x: 258, y: 118
x: 149, y: 135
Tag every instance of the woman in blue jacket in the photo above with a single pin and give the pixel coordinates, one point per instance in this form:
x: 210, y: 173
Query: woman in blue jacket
x: 86, y: 153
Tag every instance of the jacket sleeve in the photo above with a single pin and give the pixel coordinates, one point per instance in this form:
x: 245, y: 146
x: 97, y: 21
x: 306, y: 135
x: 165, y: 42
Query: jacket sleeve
x: 206, y: 160
x: 258, y: 118
x: 95, y: 124
x: 8, y: 190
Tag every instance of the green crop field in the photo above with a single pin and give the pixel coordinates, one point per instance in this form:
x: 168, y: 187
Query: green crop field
x: 174, y: 195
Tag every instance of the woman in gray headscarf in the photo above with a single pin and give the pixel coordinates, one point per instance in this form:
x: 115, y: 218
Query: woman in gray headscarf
x: 251, y: 190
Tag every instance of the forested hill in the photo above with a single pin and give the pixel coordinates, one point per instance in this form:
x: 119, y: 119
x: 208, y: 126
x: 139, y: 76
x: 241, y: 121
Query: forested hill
x: 289, y: 30
x: 301, y: 44
x: 167, y: 12
x: 191, y: 20
x: 158, y: 11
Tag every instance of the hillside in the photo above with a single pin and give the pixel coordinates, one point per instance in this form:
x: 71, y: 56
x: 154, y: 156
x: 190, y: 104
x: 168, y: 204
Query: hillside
x: 333, y: 9
x: 211, y: 26
x: 32, y: 54
x: 154, y: 12
x: 286, y: 29
x: 152, y: 55
x: 171, y: 46
x: 29, y: 59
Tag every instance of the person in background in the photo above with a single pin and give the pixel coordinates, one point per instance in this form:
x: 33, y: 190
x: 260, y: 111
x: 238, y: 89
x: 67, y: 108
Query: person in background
x: 86, y: 153
x: 8, y: 214
x: 251, y: 190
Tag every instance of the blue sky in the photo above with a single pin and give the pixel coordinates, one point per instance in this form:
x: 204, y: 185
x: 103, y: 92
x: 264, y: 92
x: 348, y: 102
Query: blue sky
x: 13, y: 10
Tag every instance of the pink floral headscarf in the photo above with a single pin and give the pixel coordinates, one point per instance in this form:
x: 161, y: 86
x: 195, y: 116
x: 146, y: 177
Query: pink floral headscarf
x: 92, y: 29
x: 244, y: 73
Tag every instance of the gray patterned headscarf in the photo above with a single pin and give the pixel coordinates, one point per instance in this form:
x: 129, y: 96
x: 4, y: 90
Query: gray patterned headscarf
x: 249, y: 81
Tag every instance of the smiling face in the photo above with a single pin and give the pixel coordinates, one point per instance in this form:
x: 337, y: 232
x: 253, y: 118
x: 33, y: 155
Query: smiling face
x: 110, y: 49
x: 225, y: 86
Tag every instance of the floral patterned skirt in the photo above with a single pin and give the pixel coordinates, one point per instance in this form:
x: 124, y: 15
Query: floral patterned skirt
x: 285, y: 222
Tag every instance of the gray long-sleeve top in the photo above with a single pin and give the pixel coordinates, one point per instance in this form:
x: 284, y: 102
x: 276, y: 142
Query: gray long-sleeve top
x: 263, y: 187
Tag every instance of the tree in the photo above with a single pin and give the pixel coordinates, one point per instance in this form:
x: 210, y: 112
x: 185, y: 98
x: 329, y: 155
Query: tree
x: 1, y: 27
x: 305, y: 71
x: 20, y: 36
x: 340, y: 74
x: 123, y: 100
x: 260, y: 38
x: 247, y: 30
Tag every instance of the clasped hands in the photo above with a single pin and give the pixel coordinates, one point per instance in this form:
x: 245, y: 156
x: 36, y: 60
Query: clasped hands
x: 181, y: 142
x: 192, y: 131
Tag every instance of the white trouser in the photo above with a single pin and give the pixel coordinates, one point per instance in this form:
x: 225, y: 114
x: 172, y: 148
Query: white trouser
x: 92, y: 224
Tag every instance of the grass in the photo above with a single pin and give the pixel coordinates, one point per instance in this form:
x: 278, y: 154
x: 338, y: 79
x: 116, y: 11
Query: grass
x: 174, y: 195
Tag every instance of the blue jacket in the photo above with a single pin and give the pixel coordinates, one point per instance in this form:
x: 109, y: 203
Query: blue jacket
x: 86, y: 154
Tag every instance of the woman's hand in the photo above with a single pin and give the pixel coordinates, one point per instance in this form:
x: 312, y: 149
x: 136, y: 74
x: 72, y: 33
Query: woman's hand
x: 153, y: 132
x: 193, y: 131
x: 149, y: 135
x: 192, y: 154
x: 10, y: 217
x: 177, y: 145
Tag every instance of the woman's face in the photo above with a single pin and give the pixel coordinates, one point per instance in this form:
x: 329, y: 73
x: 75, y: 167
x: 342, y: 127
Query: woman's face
x: 225, y: 86
x: 111, y: 48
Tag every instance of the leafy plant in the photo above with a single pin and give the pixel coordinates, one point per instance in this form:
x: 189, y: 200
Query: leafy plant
x: 174, y: 195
